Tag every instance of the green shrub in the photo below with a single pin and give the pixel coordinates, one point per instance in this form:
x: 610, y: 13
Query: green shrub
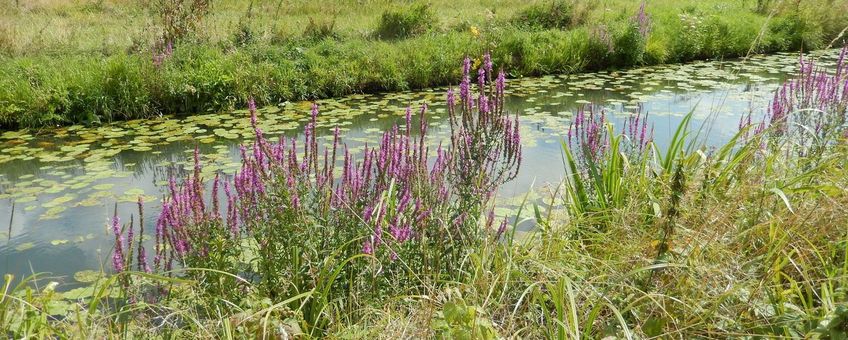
x: 559, y: 14
x: 833, y: 20
x: 406, y: 22
x: 179, y: 18
x: 656, y: 50
x: 763, y: 6
x: 321, y: 29
x: 126, y: 88
x: 629, y: 46
x: 599, y: 47
x: 243, y: 35
x: 793, y: 32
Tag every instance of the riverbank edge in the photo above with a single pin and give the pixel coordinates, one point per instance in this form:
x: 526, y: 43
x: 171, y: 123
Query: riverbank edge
x: 44, y: 91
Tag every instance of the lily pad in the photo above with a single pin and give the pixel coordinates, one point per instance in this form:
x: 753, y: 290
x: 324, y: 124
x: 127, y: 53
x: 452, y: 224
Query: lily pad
x: 86, y: 276
x: 24, y: 246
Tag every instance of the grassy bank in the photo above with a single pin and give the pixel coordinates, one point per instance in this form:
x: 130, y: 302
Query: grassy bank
x: 96, y: 61
x: 747, y: 239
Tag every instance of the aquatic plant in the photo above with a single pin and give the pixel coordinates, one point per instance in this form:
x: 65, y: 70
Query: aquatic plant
x: 643, y: 21
x: 597, y: 159
x: 589, y: 138
x: 313, y: 217
x: 807, y: 109
x: 482, y: 161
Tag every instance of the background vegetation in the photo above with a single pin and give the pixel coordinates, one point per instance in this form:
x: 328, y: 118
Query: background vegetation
x: 90, y: 61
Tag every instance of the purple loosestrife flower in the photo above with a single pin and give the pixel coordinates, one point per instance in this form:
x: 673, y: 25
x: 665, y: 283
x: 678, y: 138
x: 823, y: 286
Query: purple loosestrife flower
x: 142, y: 260
x: 408, y: 120
x: 481, y: 80
x: 118, y: 255
x: 215, y: 208
x: 367, y: 248
x: 129, y: 244
x: 378, y: 231
x: 274, y: 185
x: 499, y: 86
x: 502, y: 228
x: 366, y: 213
x: 232, y: 218
x: 487, y: 63
x: 490, y: 219
x: 251, y: 107
x: 465, y: 92
x: 483, y: 104
x: 643, y: 20
x: 142, y: 254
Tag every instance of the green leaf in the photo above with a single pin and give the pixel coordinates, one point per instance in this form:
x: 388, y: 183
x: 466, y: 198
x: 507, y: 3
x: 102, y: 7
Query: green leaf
x: 783, y: 197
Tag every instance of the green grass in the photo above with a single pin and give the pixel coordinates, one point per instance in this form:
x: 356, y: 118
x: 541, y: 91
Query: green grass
x: 91, y: 61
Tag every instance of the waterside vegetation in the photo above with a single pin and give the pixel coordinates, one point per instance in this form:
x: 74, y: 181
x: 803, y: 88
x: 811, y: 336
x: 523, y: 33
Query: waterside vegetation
x: 640, y: 239
x: 97, y: 61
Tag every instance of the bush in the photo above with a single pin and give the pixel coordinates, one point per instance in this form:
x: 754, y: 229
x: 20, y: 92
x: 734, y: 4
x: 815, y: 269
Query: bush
x: 406, y: 22
x: 792, y: 32
x: 243, y: 35
x: 600, y: 46
x: 700, y: 36
x: 629, y: 46
x: 179, y: 18
x: 321, y: 29
x: 559, y: 14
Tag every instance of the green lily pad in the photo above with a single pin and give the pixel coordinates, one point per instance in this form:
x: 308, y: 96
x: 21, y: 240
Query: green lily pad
x: 103, y: 186
x: 79, y: 293
x: 86, y: 276
x: 24, y: 246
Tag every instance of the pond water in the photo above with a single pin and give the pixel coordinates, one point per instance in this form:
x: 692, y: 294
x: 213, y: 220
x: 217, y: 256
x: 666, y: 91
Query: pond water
x: 59, y: 187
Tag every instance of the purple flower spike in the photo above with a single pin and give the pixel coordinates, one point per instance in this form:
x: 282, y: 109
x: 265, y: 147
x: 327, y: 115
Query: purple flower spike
x: 367, y: 248
x: 251, y: 106
x: 118, y: 254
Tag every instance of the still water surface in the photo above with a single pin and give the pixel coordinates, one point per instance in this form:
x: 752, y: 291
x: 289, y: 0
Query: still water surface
x: 59, y: 187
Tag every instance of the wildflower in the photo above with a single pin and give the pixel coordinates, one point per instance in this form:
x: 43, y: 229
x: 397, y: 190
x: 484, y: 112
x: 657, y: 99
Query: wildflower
x: 366, y: 248
x: 643, y: 20
x: 502, y: 228
x: 118, y: 254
